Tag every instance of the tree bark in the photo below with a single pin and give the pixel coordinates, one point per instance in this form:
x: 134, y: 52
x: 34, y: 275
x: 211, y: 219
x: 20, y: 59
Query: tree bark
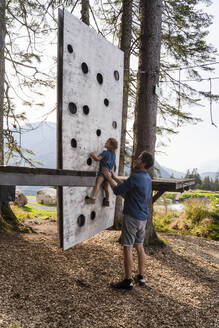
x: 148, y: 78
x: 85, y: 11
x: 8, y: 220
x: 125, y: 45
x: 2, y: 74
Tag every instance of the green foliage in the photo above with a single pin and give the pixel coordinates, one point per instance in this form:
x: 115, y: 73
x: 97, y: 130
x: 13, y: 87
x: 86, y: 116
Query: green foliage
x: 196, y: 210
x: 10, y: 223
x: 169, y: 195
x: 197, y: 218
x: 29, y: 212
x: 161, y: 221
x: 205, y: 184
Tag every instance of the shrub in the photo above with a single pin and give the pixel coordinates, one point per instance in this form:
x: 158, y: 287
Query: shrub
x: 196, y: 210
x: 199, y: 218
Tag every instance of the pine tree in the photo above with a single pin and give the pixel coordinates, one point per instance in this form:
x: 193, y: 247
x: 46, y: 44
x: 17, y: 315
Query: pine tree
x: 2, y: 74
x: 125, y: 44
x: 146, y: 99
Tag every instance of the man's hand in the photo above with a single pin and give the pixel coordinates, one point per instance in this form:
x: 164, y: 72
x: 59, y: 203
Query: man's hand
x: 106, y: 173
x: 115, y: 178
x: 113, y: 175
x: 108, y: 177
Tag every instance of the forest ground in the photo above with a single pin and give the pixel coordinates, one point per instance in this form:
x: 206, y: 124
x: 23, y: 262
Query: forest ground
x: 42, y: 286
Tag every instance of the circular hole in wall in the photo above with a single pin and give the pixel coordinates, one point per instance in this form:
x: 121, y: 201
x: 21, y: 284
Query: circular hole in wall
x: 114, y: 124
x: 89, y: 161
x: 84, y: 68
x: 98, y: 132
x: 100, y: 78
x: 72, y: 107
x: 86, y: 110
x: 116, y: 75
x: 92, y: 215
x: 81, y: 220
x: 70, y: 49
x: 74, y: 143
x: 106, y: 102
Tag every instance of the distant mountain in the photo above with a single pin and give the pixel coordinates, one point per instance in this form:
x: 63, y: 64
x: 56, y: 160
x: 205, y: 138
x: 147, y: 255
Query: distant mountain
x: 41, y: 139
x: 211, y: 175
x: 165, y: 172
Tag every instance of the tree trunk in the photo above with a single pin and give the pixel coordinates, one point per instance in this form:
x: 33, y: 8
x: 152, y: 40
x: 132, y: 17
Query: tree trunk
x: 2, y: 74
x: 8, y: 220
x: 126, y: 37
x: 148, y: 78
x: 85, y: 11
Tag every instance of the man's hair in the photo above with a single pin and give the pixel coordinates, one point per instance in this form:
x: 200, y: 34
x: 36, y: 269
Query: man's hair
x: 147, y: 158
x: 113, y: 144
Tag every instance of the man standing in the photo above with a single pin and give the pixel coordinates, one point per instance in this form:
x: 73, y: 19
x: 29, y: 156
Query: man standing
x: 136, y: 191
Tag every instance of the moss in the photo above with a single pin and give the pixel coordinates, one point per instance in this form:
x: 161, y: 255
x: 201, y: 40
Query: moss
x: 8, y: 220
x: 29, y: 212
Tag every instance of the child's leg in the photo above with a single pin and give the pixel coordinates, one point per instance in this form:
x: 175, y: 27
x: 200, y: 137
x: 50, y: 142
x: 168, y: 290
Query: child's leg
x: 96, y: 189
x: 106, y: 189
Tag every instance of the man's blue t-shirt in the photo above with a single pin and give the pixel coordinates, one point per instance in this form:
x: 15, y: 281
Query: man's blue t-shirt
x: 137, y: 191
x: 108, y: 160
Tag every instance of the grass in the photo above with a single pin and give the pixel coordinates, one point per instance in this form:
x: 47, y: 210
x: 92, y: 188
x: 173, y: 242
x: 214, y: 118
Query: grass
x: 29, y: 212
x: 198, y: 218
x: 46, y: 205
x: 212, y: 196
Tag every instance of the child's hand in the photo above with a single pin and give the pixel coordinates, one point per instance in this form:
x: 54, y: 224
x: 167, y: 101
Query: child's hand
x: 92, y: 155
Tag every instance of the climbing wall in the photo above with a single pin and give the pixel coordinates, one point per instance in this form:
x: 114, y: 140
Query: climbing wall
x: 90, y: 83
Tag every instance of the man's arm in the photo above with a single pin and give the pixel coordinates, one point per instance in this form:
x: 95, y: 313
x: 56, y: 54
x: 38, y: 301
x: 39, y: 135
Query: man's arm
x: 120, y: 189
x: 115, y: 178
x: 108, y: 177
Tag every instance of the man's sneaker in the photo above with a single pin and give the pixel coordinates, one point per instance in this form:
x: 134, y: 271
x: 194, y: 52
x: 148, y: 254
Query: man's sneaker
x: 106, y: 202
x: 124, y: 284
x: 140, y: 280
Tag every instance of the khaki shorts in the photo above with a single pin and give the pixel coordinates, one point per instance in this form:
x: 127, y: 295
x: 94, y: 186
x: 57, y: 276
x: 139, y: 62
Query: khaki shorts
x: 133, y: 231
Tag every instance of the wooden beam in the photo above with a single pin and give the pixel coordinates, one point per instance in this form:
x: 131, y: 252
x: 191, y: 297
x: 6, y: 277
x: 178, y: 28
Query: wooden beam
x: 25, y: 176
x: 163, y: 184
x: 157, y: 195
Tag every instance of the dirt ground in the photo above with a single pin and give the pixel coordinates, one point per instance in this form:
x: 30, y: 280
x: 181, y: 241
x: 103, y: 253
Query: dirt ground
x: 42, y: 286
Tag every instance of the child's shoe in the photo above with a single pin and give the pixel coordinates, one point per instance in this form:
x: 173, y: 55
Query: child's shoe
x: 89, y: 200
x: 106, y: 202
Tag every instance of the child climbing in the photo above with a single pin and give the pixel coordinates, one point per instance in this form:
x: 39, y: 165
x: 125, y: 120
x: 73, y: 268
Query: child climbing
x: 107, y: 159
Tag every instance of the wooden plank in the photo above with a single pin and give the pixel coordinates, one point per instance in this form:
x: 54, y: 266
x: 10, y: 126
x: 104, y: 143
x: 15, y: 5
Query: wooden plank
x: 163, y: 184
x: 59, y: 120
x: 157, y: 195
x: 24, y: 176
x: 45, y: 171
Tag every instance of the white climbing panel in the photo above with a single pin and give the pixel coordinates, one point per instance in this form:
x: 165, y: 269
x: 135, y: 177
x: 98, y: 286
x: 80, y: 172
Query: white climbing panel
x: 90, y: 82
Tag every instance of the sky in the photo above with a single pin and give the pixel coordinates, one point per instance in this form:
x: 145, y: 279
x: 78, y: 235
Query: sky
x: 195, y: 146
